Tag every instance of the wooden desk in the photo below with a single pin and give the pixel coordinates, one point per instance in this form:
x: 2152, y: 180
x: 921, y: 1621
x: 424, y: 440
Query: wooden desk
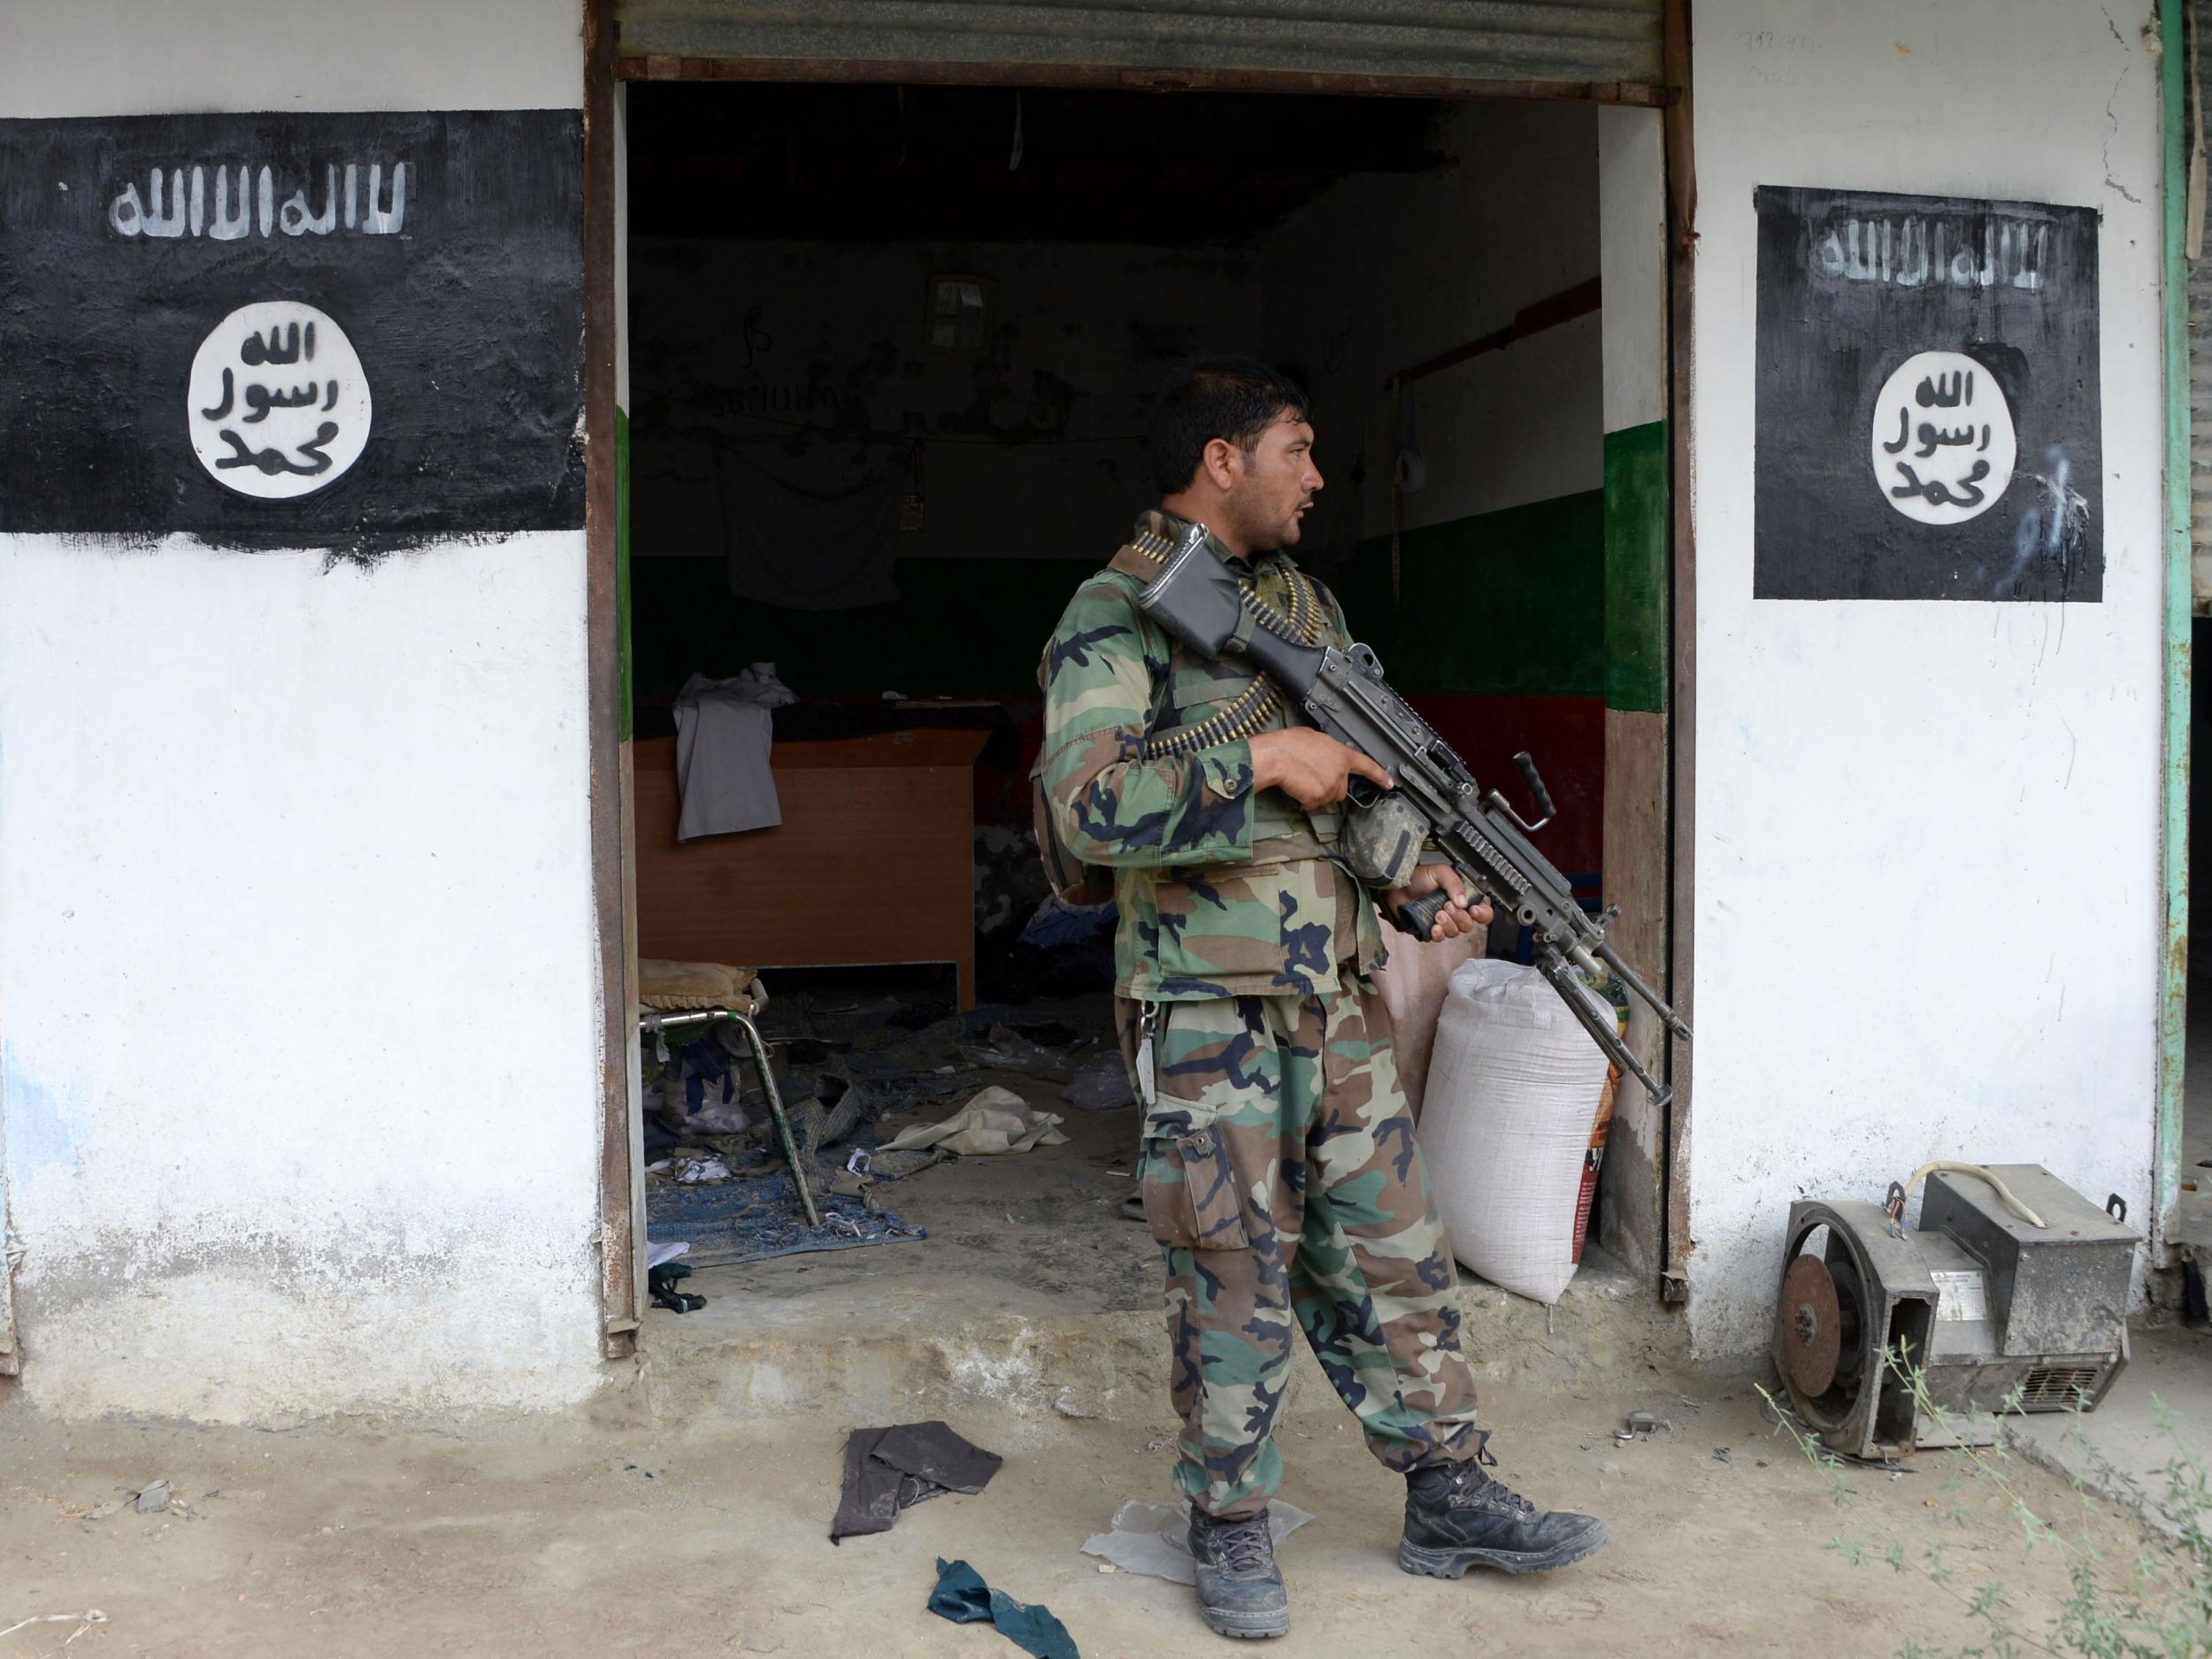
x: 874, y: 861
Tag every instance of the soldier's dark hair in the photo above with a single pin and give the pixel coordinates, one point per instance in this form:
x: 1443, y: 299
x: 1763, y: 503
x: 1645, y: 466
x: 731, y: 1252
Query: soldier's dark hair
x: 1232, y: 398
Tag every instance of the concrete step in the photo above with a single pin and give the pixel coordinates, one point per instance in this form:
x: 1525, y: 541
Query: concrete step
x: 903, y: 1346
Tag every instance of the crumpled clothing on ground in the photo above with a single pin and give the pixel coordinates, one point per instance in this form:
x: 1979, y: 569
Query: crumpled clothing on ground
x: 890, y: 1470
x: 961, y: 1597
x: 993, y: 1120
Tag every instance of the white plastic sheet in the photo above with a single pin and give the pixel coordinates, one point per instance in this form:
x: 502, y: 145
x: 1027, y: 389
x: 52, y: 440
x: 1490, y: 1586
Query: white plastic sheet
x: 1153, y: 1539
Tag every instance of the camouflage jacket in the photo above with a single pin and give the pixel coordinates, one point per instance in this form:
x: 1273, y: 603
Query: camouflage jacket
x: 1224, y: 890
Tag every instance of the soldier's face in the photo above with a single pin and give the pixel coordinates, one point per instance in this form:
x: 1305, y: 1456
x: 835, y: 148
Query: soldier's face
x: 1276, y: 485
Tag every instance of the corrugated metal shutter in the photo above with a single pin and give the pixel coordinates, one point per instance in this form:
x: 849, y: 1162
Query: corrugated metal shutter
x: 1576, y: 42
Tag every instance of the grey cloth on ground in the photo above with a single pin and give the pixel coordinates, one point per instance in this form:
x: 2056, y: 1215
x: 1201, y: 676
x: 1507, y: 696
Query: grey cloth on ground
x: 892, y: 1469
x: 723, y: 739
x: 810, y: 549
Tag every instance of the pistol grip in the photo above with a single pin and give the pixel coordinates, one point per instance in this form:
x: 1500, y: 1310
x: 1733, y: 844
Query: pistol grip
x: 1417, y: 916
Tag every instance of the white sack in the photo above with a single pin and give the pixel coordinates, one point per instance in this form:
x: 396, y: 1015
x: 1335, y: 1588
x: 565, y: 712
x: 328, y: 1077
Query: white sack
x: 1513, y: 1091
x: 1413, y: 983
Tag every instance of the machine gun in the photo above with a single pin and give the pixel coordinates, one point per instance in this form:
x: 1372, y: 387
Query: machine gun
x: 1199, y: 600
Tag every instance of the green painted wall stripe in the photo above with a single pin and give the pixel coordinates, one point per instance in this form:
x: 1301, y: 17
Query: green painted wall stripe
x: 1636, y: 517
x: 1508, y: 603
x: 2174, y: 960
x: 622, y: 560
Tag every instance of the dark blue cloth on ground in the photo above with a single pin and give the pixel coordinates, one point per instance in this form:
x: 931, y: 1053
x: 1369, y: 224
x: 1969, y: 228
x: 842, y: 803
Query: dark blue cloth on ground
x: 961, y: 1597
x: 758, y: 1215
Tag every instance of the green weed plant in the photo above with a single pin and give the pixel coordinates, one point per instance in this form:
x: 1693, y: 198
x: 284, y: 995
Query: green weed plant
x: 2156, y: 1604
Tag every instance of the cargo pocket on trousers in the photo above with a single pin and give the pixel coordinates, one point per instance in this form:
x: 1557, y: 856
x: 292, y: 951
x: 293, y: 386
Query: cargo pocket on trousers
x: 1190, y: 1191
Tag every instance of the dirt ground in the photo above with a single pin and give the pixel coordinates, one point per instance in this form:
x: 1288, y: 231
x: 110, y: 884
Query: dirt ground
x: 608, y: 1534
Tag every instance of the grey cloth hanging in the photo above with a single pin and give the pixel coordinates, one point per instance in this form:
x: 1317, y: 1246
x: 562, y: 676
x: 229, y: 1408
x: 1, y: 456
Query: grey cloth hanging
x: 723, y: 738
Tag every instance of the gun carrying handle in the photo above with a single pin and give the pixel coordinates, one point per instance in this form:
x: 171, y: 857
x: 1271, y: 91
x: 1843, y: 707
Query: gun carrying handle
x: 1527, y: 765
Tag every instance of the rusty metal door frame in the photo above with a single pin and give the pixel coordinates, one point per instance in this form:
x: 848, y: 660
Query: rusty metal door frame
x: 621, y: 1229
x: 620, y: 1233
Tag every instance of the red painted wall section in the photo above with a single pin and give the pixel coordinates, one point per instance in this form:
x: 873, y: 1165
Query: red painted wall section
x: 1566, y: 737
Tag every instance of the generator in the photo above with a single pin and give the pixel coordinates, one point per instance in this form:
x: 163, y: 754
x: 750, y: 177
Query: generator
x: 2011, y: 1293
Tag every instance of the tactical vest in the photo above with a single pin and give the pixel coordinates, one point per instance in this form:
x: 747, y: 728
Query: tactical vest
x: 1196, y: 705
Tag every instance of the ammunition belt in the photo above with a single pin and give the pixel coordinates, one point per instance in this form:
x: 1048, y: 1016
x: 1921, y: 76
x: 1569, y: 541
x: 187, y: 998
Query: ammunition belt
x: 1261, y: 702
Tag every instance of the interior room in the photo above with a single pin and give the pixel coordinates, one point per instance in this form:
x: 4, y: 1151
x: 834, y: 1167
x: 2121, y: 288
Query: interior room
x: 892, y: 351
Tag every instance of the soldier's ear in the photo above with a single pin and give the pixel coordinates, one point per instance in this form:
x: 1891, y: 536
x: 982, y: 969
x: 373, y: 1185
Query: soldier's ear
x: 1223, y: 462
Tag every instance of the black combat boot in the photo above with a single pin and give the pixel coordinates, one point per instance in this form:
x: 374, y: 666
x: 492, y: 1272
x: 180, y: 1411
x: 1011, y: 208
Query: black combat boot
x: 1457, y: 1518
x: 1239, y: 1588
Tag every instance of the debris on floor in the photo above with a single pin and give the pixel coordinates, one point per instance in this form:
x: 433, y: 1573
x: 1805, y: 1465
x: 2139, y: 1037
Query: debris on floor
x: 1153, y: 1539
x: 83, y: 1621
x: 737, y: 1202
x: 690, y: 1169
x: 758, y: 1217
x: 892, y: 1469
x: 1007, y: 1050
x: 660, y: 1283
x: 961, y: 1597
x: 994, y: 1120
x: 1101, y: 1084
x: 853, y: 1063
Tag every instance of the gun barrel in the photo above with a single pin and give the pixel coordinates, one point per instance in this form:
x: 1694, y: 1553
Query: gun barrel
x: 1604, y: 1032
x: 1197, y: 598
x: 1627, y: 975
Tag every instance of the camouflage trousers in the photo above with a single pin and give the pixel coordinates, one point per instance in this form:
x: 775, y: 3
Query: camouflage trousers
x: 1280, y: 1172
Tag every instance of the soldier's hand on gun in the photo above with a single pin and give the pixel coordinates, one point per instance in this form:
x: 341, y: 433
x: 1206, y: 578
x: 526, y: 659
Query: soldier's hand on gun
x: 1311, y: 767
x: 1463, y: 915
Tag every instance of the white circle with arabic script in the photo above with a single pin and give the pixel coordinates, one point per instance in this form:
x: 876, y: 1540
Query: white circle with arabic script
x: 1944, y: 445
x: 279, y: 405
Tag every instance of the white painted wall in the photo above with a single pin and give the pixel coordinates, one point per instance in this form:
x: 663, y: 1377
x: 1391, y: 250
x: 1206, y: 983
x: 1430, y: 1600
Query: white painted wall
x: 1928, y: 897
x: 159, y: 58
x: 297, y: 1063
x: 1633, y: 254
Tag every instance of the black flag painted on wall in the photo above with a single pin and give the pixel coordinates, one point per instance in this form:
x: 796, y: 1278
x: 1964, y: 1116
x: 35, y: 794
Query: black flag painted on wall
x: 346, y: 331
x: 1929, y: 417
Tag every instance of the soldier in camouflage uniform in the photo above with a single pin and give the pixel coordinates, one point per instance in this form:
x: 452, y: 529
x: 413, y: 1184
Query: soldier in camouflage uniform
x: 1278, y: 1168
